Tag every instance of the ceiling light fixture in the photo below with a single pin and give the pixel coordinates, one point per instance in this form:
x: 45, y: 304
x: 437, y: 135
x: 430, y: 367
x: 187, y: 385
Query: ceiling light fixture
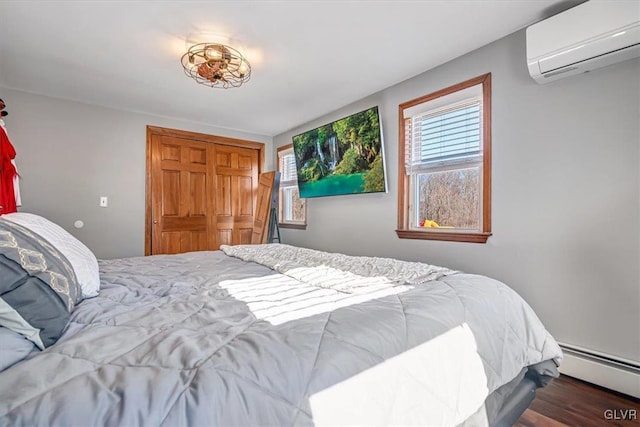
x: 216, y: 65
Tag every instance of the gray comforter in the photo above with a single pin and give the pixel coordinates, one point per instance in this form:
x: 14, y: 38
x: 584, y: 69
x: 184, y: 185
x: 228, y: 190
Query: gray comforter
x: 206, y: 339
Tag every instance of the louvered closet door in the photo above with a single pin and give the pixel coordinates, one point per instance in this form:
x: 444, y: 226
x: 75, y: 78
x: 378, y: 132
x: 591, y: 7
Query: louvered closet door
x: 181, y: 207
x: 236, y: 186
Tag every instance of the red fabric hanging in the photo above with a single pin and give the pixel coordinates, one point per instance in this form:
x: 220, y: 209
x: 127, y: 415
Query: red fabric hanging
x: 7, y: 175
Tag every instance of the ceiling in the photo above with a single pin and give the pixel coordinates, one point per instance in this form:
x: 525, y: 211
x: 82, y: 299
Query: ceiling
x: 308, y: 57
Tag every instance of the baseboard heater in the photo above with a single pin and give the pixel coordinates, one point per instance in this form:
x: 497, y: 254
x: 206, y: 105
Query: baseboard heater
x: 604, y: 370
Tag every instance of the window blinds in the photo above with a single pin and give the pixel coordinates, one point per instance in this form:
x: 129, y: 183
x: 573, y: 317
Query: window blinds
x: 448, y: 135
x: 288, y: 174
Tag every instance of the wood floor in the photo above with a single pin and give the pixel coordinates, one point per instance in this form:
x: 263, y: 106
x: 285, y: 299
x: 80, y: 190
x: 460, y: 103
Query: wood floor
x: 571, y: 402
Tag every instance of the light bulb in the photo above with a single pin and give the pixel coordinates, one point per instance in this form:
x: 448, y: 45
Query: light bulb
x: 213, y: 52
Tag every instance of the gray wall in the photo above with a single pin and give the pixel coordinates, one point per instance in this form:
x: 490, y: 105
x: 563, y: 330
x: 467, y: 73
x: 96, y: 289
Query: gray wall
x: 70, y: 154
x: 566, y: 196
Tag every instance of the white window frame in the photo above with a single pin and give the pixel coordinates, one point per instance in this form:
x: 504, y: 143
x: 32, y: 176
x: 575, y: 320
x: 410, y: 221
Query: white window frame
x: 476, y: 90
x: 288, y: 185
x: 414, y: 204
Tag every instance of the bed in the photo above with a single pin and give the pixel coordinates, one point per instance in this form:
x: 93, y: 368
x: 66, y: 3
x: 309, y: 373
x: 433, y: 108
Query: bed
x: 267, y: 335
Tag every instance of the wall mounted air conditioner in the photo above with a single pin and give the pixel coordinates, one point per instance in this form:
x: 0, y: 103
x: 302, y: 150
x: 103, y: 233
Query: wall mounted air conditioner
x: 583, y: 38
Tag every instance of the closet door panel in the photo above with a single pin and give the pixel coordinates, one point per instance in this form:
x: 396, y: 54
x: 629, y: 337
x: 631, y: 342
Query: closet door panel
x: 236, y: 189
x: 179, y: 203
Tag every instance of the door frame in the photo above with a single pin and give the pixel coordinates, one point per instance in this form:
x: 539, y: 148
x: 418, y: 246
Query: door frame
x: 183, y: 134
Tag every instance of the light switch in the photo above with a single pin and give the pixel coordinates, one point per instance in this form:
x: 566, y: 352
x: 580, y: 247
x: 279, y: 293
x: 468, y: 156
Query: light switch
x: 104, y: 201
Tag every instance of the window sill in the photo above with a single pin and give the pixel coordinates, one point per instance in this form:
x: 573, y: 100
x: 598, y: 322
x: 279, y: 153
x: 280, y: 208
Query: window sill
x: 444, y: 235
x: 293, y: 226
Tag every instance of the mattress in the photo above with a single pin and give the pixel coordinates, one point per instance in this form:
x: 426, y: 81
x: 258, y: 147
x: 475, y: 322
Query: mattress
x: 209, y: 338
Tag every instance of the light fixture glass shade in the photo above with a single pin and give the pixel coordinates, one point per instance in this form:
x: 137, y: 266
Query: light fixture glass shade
x: 216, y: 65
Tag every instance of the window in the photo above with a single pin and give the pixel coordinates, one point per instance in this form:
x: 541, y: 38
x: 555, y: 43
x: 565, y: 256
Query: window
x: 445, y: 178
x: 292, y: 212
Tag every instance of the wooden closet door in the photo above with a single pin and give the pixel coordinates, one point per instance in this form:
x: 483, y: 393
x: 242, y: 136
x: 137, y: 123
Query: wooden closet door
x: 236, y: 186
x: 262, y: 216
x: 180, y: 203
x: 201, y: 190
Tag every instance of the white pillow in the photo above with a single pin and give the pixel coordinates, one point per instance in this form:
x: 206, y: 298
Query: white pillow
x: 82, y: 260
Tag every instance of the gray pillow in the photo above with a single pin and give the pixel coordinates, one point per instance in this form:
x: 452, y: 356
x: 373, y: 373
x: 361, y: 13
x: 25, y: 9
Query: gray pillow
x: 38, y: 287
x: 13, y: 348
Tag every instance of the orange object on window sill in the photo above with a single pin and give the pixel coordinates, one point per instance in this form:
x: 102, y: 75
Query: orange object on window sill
x: 429, y: 223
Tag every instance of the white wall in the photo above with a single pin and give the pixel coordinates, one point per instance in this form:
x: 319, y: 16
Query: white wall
x: 566, y: 195
x: 70, y: 154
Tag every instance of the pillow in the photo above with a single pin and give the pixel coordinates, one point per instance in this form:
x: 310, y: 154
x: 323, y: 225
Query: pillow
x: 38, y: 288
x: 13, y: 348
x: 83, y: 261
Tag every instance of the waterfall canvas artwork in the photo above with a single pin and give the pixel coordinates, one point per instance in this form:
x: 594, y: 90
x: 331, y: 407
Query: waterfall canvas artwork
x: 342, y: 157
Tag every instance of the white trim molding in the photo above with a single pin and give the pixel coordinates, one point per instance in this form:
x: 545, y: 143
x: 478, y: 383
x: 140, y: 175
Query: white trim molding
x: 607, y: 371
